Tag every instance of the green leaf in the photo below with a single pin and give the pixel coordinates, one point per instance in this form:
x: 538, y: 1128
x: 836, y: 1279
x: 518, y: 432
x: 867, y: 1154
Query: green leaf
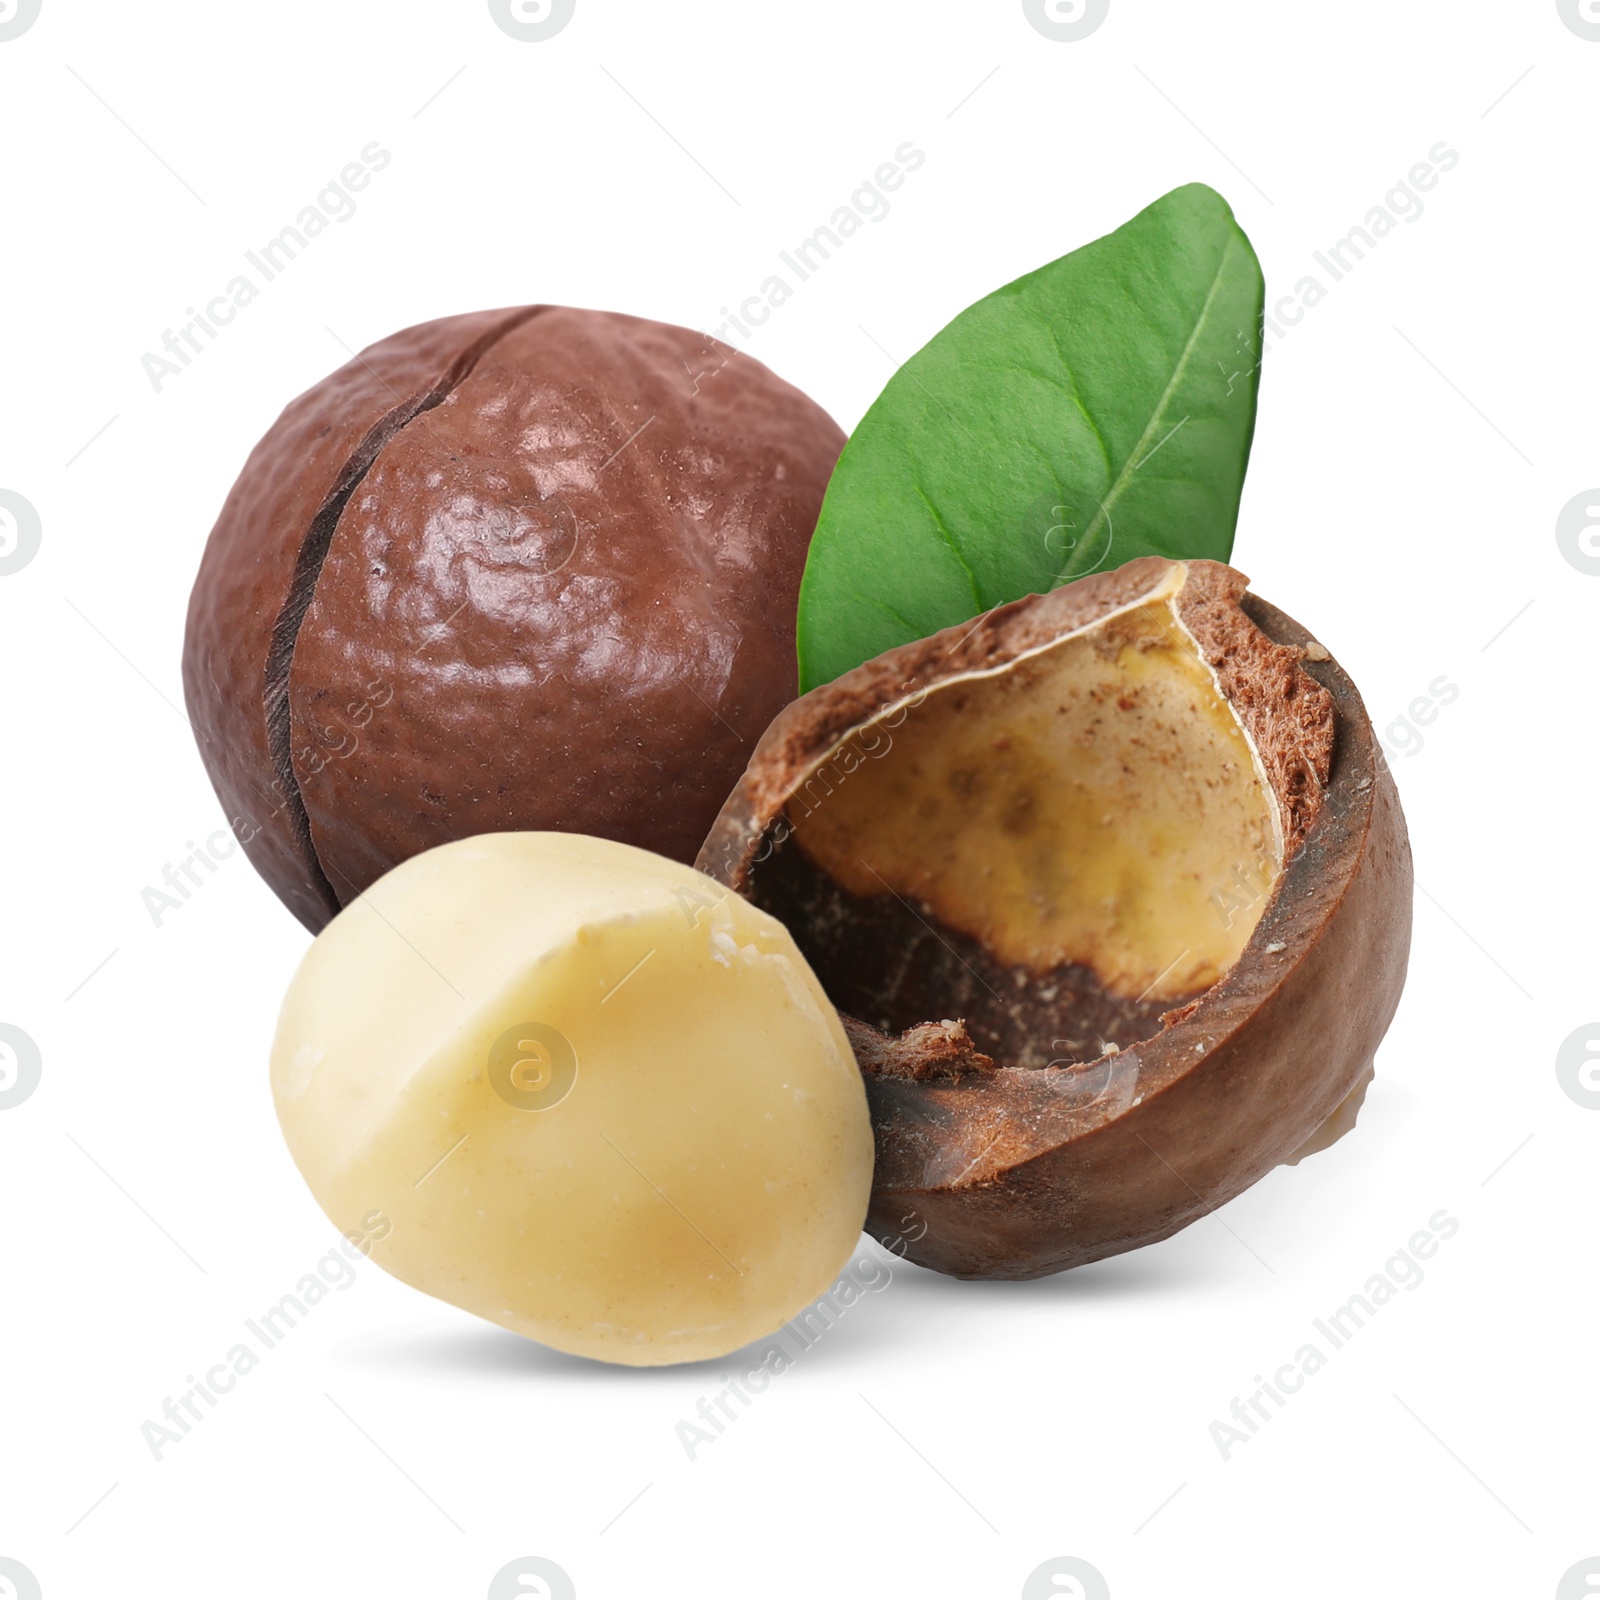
x: 1098, y: 409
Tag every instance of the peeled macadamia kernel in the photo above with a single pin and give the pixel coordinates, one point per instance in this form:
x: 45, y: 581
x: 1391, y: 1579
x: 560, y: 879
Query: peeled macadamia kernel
x: 601, y: 1100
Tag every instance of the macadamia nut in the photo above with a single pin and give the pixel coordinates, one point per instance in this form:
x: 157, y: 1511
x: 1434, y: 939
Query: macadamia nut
x: 601, y: 1100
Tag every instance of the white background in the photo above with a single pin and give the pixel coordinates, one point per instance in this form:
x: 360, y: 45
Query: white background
x: 1420, y: 431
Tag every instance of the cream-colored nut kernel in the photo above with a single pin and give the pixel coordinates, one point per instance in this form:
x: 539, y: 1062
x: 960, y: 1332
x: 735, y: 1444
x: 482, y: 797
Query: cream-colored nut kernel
x: 600, y: 1099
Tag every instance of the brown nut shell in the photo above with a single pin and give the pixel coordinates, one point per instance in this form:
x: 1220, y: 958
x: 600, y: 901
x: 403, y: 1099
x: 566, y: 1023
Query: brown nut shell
x: 991, y: 1164
x: 523, y: 570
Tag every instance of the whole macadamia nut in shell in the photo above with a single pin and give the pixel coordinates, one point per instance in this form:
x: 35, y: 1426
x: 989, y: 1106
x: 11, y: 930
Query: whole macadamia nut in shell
x: 523, y: 569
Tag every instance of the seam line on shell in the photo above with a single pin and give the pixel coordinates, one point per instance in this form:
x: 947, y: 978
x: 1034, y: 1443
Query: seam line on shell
x: 315, y: 545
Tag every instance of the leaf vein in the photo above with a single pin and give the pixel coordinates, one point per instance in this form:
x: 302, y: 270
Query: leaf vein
x: 951, y: 544
x: 1077, y: 399
x: 1158, y: 416
x: 883, y: 605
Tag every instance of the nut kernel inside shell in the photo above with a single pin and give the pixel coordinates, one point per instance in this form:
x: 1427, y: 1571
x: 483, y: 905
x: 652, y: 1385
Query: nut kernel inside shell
x: 1029, y: 1121
x: 598, y: 1099
x: 1050, y: 829
x: 1095, y: 802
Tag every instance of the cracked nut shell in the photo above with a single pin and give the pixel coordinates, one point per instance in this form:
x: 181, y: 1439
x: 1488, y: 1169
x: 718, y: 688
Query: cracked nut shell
x: 517, y: 570
x: 1113, y: 890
